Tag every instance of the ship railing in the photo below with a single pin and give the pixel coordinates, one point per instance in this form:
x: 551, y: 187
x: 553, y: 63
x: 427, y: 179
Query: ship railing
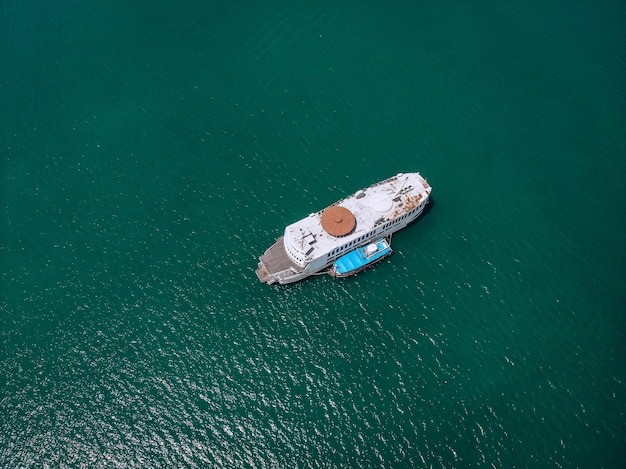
x: 283, y: 274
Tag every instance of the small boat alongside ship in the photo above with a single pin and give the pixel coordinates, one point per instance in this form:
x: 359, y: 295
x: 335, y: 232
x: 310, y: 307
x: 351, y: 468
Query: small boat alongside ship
x: 311, y: 245
x: 360, y: 259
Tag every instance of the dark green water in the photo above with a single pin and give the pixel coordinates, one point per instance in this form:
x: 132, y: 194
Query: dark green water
x: 151, y: 151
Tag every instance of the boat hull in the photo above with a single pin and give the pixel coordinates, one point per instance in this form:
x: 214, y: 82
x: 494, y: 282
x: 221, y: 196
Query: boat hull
x: 333, y: 272
x: 313, y: 244
x: 361, y: 258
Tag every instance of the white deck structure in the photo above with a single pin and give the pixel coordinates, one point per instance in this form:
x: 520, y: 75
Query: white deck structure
x: 312, y: 244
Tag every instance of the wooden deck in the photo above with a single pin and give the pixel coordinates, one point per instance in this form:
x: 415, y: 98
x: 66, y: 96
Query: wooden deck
x: 274, y: 261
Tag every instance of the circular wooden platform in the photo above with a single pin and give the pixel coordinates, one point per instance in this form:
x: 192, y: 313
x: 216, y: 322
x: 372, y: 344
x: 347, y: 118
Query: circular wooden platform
x: 338, y: 221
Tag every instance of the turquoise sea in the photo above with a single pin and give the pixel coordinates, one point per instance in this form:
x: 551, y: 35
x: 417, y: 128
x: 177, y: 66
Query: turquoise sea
x: 151, y: 151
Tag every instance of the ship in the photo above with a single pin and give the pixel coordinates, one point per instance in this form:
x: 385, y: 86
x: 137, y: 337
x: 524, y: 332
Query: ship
x: 361, y: 258
x: 311, y: 245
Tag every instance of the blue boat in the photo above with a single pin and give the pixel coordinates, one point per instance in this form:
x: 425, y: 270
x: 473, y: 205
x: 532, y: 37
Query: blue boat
x: 361, y: 258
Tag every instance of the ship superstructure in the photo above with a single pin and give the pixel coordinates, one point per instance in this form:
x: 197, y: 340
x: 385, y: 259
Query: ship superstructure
x: 312, y: 244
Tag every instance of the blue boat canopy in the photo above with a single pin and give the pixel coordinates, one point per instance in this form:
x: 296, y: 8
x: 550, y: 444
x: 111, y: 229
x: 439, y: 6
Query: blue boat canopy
x: 362, y: 257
